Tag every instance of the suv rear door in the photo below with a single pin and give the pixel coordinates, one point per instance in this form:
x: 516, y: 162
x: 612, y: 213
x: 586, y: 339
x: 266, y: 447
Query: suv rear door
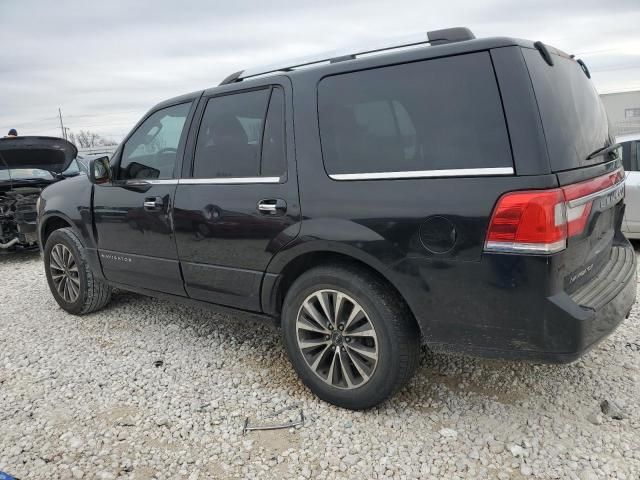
x: 238, y: 203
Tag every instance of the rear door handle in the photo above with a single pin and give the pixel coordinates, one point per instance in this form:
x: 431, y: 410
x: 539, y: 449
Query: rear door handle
x: 272, y: 206
x: 153, y: 203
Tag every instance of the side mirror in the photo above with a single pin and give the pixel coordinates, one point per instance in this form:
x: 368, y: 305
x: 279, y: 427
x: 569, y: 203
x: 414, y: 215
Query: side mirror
x: 99, y: 170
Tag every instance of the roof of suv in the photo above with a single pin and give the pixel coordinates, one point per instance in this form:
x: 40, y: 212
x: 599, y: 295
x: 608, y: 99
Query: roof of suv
x: 389, y: 52
x: 459, y: 40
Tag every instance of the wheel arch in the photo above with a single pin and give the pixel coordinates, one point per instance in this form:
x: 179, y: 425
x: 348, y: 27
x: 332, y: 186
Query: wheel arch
x: 56, y: 220
x: 278, y: 282
x: 51, y: 223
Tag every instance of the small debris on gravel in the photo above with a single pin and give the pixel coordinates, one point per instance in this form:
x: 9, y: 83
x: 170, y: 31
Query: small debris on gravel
x: 82, y: 398
x: 610, y: 409
x: 516, y: 450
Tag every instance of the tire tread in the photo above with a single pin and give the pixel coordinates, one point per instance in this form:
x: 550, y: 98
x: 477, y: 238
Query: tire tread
x: 98, y: 293
x: 397, y: 316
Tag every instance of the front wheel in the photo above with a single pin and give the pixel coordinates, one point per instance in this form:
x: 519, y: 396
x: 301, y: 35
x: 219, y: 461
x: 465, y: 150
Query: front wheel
x: 70, y: 279
x: 351, y: 340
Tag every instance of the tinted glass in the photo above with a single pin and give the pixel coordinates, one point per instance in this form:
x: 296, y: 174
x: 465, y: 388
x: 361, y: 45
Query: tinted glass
x: 437, y: 114
x: 573, y: 118
x: 273, y: 142
x: 230, y: 136
x: 152, y: 150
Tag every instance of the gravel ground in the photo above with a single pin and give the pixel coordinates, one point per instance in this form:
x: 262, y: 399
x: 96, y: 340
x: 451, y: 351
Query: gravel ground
x: 146, y: 389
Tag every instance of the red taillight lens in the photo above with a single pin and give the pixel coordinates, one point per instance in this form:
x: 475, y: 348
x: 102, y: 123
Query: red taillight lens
x: 540, y: 221
x: 528, y: 221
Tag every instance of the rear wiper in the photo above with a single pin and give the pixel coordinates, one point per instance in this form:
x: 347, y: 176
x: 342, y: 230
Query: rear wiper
x: 603, y: 151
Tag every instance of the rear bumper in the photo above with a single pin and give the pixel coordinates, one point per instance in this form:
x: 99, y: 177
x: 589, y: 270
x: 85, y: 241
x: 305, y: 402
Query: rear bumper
x: 571, y: 331
x: 515, y: 320
x: 594, y: 312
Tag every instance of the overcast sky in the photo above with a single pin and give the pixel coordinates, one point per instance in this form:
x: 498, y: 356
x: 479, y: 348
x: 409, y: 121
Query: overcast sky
x: 105, y: 63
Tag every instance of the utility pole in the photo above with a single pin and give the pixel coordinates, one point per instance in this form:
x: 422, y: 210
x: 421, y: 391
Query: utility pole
x: 64, y: 134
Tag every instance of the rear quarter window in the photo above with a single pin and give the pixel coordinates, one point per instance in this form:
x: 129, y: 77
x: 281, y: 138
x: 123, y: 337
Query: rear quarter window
x: 436, y: 114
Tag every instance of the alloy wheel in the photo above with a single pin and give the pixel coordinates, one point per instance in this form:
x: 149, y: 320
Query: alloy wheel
x: 337, y: 339
x: 64, y: 272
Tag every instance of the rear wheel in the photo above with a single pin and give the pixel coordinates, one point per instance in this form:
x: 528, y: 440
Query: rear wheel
x: 70, y: 279
x: 351, y: 340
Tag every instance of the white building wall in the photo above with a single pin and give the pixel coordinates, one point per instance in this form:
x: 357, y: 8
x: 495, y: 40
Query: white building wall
x: 624, y: 111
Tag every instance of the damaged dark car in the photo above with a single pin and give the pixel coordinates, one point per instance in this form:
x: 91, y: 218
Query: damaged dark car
x: 27, y: 166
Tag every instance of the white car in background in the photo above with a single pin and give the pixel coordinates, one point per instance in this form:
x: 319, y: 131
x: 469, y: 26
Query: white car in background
x: 631, y: 161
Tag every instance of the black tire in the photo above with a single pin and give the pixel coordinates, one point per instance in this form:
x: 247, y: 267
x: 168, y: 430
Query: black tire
x: 93, y: 294
x: 397, y: 335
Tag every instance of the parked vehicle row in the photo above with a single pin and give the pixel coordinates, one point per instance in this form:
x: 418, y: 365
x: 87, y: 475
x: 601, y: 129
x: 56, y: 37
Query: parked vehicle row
x: 466, y: 194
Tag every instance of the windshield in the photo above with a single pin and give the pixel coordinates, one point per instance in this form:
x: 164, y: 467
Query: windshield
x: 36, y: 173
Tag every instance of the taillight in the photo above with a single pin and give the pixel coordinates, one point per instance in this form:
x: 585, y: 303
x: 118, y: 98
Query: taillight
x: 540, y: 221
x: 532, y: 221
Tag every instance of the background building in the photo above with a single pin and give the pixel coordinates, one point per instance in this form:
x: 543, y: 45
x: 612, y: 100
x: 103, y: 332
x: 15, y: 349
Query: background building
x: 624, y: 111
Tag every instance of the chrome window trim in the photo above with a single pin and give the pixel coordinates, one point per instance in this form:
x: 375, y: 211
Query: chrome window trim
x: 453, y: 172
x: 227, y: 181
x: 151, y: 181
x: 204, y: 181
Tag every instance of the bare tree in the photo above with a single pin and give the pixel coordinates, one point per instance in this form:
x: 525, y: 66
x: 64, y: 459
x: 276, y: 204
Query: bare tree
x: 89, y: 139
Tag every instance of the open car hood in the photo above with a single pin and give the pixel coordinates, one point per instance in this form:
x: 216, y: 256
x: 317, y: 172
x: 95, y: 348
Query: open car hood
x: 45, y: 153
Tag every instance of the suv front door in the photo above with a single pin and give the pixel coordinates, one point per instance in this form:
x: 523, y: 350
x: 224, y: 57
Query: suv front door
x: 132, y: 214
x: 240, y: 204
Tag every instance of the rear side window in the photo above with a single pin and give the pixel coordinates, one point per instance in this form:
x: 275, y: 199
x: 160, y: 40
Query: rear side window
x: 573, y: 118
x: 432, y: 115
x: 240, y: 137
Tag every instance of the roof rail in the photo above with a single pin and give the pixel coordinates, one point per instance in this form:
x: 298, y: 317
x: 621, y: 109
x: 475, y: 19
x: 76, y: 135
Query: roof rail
x: 435, y: 37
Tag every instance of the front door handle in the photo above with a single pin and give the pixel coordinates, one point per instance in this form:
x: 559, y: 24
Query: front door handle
x: 272, y: 206
x: 153, y: 203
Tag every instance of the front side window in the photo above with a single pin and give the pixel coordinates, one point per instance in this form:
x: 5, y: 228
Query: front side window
x: 242, y: 135
x: 437, y: 114
x: 152, y: 150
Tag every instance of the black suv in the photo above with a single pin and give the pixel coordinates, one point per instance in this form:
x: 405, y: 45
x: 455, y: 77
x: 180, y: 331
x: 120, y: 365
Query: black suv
x: 465, y: 194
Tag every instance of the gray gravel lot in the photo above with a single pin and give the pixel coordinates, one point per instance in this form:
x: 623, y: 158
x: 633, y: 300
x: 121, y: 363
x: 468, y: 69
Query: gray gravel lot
x: 82, y: 397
